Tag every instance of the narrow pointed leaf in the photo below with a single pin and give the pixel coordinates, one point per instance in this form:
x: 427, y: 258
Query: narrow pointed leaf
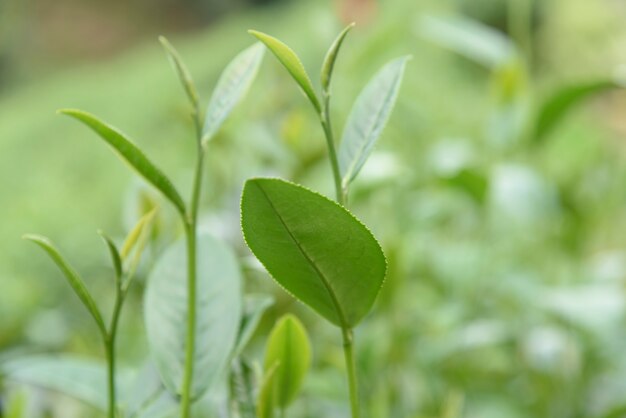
x: 289, y: 349
x: 135, y: 244
x: 556, y: 107
x: 314, y: 248
x: 266, y: 401
x: 115, y: 256
x: 181, y: 69
x: 72, y: 277
x: 218, y: 313
x: 130, y: 153
x: 368, y: 118
x: 292, y: 63
x: 331, y: 57
x: 254, y: 308
x: 232, y: 86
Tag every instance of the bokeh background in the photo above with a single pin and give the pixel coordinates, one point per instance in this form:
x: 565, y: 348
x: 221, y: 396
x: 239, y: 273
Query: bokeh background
x: 505, y: 234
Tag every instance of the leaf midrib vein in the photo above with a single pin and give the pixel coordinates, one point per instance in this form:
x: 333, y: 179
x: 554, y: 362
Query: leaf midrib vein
x: 321, y: 275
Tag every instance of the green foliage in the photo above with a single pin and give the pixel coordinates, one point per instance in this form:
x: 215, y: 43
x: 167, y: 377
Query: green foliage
x: 72, y: 277
x: 331, y: 56
x: 292, y: 63
x: 368, y: 118
x: 232, y: 86
x: 289, y: 349
x: 218, y: 317
x: 556, y: 106
x: 297, y: 234
x: 130, y: 153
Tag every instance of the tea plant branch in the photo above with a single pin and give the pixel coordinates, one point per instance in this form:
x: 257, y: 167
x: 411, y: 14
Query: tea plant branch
x: 340, y: 191
x: 348, y: 351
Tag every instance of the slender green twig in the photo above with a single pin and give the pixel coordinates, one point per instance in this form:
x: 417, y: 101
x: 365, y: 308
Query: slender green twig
x: 109, y: 343
x: 332, y: 152
x: 348, y: 351
x: 190, y: 232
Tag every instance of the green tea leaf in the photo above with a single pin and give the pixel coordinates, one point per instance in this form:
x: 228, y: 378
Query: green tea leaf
x: 254, y: 308
x: 368, y: 118
x: 266, y: 401
x: 314, y: 248
x: 130, y: 153
x: 331, y: 57
x: 469, y: 38
x: 292, y: 63
x: 136, y: 242
x: 181, y: 69
x: 289, y: 349
x: 115, y: 256
x: 556, y: 107
x: 218, y: 313
x: 72, y: 277
x: 232, y: 86
x: 83, y: 379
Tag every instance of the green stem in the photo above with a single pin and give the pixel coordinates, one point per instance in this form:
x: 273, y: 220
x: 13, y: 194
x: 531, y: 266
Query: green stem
x: 109, y: 344
x: 330, y: 142
x: 190, y: 232
x: 348, y: 351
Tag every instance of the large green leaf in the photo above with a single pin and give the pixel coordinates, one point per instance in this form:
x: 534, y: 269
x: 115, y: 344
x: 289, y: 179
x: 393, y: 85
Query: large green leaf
x: 81, y: 378
x: 368, y: 118
x: 556, y: 106
x: 131, y: 154
x: 72, y: 277
x: 331, y: 56
x: 232, y: 86
x: 314, y: 248
x: 218, y: 313
x: 289, y: 350
x: 292, y: 63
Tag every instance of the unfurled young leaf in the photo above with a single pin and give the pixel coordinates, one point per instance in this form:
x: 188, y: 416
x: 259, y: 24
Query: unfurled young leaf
x: 314, y: 248
x: 292, y: 63
x: 331, y: 57
x: 232, y: 86
x: 181, y: 69
x: 72, y: 277
x: 289, y: 351
x: 556, y: 106
x: 116, y: 259
x: 218, y: 293
x: 368, y: 118
x: 266, y: 401
x: 131, y: 154
x: 136, y: 242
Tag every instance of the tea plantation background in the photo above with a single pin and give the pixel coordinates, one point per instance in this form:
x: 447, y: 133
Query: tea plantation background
x: 504, y: 223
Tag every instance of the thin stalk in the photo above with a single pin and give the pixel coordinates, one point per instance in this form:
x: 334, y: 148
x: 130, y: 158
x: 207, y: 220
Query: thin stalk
x: 190, y: 231
x: 332, y: 152
x: 109, y: 344
x: 348, y: 351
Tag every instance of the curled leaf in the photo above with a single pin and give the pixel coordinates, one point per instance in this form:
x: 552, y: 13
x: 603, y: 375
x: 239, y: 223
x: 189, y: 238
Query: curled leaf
x: 331, y: 57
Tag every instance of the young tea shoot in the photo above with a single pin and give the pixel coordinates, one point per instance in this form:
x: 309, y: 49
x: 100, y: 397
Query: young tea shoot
x: 313, y: 247
x: 124, y: 266
x: 186, y: 295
